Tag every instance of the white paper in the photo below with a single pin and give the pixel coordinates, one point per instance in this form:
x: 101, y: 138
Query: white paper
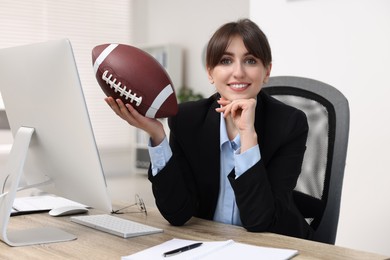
x: 212, y: 250
x: 46, y: 202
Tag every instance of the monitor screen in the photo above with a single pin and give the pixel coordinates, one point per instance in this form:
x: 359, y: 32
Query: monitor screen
x: 41, y: 89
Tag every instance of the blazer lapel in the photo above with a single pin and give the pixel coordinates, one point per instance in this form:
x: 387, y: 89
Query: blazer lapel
x: 209, y: 139
x: 210, y: 154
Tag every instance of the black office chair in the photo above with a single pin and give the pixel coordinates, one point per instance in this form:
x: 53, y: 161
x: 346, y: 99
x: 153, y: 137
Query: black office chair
x: 318, y: 191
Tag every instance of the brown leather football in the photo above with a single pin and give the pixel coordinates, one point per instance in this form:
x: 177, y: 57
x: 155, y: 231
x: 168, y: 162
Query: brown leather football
x: 134, y: 76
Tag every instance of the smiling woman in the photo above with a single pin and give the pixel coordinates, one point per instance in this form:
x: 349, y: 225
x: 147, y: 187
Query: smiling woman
x: 237, y: 71
x: 233, y: 157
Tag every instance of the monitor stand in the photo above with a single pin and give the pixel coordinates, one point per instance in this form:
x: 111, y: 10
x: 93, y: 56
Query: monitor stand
x: 14, y: 170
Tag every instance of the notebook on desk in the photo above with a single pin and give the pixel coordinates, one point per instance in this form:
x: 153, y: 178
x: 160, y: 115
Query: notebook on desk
x: 37, y: 204
x: 228, y: 249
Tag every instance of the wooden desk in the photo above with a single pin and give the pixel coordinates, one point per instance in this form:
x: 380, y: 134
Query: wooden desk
x: 93, y: 244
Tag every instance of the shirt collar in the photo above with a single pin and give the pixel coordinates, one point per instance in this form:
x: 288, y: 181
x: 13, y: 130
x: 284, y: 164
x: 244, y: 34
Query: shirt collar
x: 224, y: 136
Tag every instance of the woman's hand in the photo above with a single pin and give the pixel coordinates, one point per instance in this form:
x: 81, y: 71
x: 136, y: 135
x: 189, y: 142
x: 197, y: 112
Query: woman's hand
x: 152, y: 126
x: 242, y: 113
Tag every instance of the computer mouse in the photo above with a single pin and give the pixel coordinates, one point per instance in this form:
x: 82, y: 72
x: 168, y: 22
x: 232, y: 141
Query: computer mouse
x: 67, y: 210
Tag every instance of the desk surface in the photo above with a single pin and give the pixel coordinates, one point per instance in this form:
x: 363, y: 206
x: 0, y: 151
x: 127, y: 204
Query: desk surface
x: 93, y: 244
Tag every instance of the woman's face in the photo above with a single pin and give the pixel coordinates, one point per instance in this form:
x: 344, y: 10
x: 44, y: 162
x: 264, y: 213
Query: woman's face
x: 238, y: 75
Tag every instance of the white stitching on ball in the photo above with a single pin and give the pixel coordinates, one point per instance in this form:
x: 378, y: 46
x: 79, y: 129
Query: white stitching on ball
x: 122, y: 91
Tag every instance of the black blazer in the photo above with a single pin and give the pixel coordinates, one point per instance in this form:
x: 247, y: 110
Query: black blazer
x: 189, y: 184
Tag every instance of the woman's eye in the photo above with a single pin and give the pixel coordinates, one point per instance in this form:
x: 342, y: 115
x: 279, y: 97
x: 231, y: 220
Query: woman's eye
x: 225, y: 61
x: 251, y: 61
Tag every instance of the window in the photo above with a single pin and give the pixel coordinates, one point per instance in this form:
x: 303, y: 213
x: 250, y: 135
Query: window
x: 86, y: 24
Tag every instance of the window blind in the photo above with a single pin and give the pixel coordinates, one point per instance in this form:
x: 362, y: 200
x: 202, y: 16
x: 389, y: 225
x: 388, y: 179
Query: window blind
x: 86, y: 24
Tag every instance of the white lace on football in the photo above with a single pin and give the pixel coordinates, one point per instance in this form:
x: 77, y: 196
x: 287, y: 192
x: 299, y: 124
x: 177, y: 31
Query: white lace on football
x: 122, y: 90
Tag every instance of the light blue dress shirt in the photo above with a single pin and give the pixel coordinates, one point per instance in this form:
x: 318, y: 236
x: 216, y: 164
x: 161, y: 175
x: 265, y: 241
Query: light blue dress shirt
x: 226, y: 210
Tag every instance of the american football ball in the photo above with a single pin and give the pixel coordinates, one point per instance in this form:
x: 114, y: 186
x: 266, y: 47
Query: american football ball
x: 134, y: 76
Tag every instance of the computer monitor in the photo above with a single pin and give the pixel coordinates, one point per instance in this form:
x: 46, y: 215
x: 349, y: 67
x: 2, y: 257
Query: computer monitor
x: 43, y: 96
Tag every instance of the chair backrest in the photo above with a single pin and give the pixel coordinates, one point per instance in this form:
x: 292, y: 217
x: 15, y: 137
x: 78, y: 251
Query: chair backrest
x: 319, y: 187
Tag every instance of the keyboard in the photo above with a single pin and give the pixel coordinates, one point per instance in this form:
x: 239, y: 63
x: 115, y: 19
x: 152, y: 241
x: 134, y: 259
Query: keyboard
x: 114, y: 225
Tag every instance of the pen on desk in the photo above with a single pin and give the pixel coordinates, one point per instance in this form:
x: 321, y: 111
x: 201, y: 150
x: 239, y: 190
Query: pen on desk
x: 182, y: 249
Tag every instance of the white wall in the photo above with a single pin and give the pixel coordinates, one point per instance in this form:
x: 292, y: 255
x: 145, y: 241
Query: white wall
x: 345, y: 43
x: 188, y: 24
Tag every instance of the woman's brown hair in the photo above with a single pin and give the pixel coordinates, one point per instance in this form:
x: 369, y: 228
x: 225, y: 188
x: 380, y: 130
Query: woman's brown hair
x: 253, y: 37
